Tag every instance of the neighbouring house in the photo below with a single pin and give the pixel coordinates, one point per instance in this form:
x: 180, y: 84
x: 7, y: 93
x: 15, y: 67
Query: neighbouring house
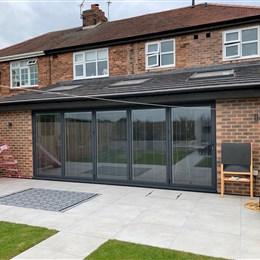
x: 144, y: 101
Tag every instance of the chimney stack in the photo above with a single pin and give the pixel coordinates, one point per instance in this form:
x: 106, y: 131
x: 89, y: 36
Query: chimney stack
x: 93, y: 16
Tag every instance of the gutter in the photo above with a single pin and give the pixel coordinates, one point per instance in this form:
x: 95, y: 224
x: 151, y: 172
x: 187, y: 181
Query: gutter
x: 22, y: 56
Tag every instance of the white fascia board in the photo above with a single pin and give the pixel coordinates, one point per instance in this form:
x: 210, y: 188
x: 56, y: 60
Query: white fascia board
x: 22, y: 56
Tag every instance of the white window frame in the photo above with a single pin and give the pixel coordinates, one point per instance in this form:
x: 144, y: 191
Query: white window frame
x: 239, y: 43
x: 159, y: 54
x: 84, y: 62
x: 23, y: 67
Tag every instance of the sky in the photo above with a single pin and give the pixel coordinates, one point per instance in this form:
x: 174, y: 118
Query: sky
x: 21, y: 20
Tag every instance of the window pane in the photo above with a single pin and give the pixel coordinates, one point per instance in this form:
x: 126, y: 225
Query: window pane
x: 24, y: 77
x: 112, y: 145
x: 230, y: 37
x: 249, y: 35
x: 149, y: 145
x: 91, y: 69
x: 167, y: 46
x: 79, y: 143
x: 232, y: 50
x: 79, y: 70
x: 15, y: 77
x: 33, y: 75
x: 102, y: 68
x: 48, y: 144
x: 167, y: 59
x: 91, y: 56
x: 249, y: 49
x: 102, y: 55
x: 153, y: 60
x: 153, y: 47
x: 192, y: 146
x: 23, y: 64
x: 78, y: 57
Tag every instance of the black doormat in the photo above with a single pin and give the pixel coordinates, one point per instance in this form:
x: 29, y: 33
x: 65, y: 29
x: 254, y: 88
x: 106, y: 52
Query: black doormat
x: 46, y: 199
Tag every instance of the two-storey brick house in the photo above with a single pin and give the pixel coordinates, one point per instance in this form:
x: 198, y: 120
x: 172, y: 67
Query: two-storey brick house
x: 142, y: 101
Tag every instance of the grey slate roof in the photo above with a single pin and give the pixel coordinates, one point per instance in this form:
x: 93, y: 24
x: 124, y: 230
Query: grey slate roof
x: 246, y: 75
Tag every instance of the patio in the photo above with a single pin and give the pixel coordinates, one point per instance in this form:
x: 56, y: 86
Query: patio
x: 200, y: 223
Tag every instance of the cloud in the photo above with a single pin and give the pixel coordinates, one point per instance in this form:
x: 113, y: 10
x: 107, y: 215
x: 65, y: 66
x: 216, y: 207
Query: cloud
x: 24, y: 19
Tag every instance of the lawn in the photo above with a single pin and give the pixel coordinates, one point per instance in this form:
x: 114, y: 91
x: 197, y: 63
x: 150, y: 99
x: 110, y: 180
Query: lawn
x: 139, y: 157
x: 118, y: 250
x: 205, y: 162
x: 16, y: 238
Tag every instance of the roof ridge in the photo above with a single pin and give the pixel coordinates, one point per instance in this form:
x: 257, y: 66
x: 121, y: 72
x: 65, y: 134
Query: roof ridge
x: 234, y: 5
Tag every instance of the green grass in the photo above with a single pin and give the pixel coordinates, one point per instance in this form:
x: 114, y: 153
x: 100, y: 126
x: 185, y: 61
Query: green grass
x: 16, y: 238
x: 118, y: 250
x: 139, y: 157
x: 205, y: 162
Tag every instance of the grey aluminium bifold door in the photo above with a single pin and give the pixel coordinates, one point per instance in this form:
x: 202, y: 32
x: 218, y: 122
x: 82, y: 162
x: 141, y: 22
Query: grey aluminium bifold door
x: 192, y: 146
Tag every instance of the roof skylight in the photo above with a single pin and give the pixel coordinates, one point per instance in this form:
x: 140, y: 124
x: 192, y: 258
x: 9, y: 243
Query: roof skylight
x: 131, y: 82
x: 212, y: 74
x: 60, y: 88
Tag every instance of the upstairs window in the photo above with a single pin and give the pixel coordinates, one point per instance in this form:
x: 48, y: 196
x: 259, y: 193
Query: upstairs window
x: 160, y: 54
x: 243, y: 43
x: 24, y: 73
x: 91, y: 64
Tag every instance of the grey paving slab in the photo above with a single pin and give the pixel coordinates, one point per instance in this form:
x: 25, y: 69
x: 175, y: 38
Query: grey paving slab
x: 43, y: 253
x: 102, y: 227
x: 149, y: 234
x: 250, y: 247
x: 207, y: 243
x: 73, y: 244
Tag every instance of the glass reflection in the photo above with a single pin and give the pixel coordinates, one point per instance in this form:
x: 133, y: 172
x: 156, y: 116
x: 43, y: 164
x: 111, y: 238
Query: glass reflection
x: 78, y: 143
x: 149, y: 145
x: 48, y: 144
x: 112, y: 145
x: 192, y: 146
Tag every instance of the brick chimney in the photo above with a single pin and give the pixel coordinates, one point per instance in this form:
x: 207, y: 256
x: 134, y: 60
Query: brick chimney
x: 93, y: 16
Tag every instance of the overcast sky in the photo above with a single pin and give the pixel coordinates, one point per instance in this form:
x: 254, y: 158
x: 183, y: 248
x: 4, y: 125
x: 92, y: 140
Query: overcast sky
x: 24, y: 19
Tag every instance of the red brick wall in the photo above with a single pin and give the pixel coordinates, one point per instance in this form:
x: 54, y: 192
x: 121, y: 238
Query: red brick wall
x: 19, y: 137
x: 235, y: 123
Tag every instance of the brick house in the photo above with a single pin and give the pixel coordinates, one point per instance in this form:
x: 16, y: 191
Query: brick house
x: 145, y: 101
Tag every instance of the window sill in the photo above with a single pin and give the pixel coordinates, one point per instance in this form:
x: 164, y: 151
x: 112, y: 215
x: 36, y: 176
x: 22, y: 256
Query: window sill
x: 242, y: 58
x: 94, y: 77
x: 23, y: 87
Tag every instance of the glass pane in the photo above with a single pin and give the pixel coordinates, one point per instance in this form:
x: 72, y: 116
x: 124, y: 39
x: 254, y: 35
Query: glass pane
x: 230, y: 37
x: 91, y: 56
x: 33, y: 75
x: 79, y: 143
x: 23, y: 64
x: 231, y: 50
x: 91, y: 69
x: 249, y: 49
x: 79, y: 70
x: 153, y: 48
x: 112, y: 145
x: 78, y: 57
x: 24, y: 77
x: 249, y: 35
x: 15, y: 78
x: 102, y: 68
x: 153, y: 60
x: 102, y: 55
x: 191, y: 146
x: 167, y: 46
x: 48, y: 144
x: 167, y: 59
x: 149, y: 145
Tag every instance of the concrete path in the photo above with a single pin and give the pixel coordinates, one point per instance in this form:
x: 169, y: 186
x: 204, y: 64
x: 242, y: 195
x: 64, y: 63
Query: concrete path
x: 200, y: 223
